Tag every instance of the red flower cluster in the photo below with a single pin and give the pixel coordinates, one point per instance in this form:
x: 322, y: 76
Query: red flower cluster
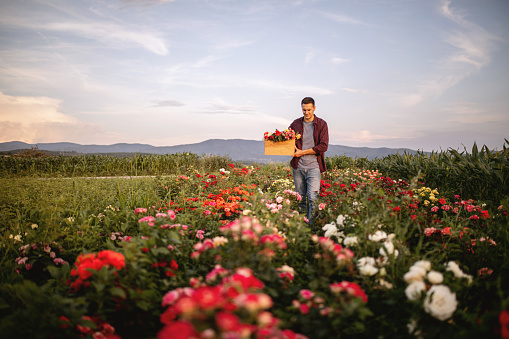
x: 350, y: 288
x: 504, y: 324
x: 245, y: 228
x: 287, y: 134
x: 86, y: 263
x: 168, y: 267
x: 102, y: 329
x: 235, y: 308
x: 228, y: 200
x: 332, y: 251
x: 345, y: 291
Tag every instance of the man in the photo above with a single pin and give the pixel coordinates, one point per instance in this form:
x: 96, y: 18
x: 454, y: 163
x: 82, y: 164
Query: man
x: 308, y: 161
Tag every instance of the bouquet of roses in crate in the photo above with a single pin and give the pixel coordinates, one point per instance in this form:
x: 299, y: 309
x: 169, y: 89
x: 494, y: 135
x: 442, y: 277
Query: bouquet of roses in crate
x: 287, y: 134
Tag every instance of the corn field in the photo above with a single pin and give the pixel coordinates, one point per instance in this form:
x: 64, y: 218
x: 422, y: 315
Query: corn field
x: 482, y: 174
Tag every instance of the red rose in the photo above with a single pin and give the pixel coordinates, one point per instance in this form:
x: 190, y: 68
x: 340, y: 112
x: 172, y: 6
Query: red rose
x: 227, y: 322
x: 504, y: 324
x: 178, y: 330
x: 112, y: 258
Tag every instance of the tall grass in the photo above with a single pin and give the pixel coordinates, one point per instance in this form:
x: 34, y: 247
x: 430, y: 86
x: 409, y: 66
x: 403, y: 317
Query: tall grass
x: 104, y: 165
x: 482, y: 174
x: 344, y: 162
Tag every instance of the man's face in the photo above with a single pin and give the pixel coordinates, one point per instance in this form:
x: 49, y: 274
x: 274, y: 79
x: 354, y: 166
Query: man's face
x: 309, y: 112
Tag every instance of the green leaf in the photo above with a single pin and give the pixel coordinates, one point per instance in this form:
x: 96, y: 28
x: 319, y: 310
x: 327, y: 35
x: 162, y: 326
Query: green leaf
x: 54, y: 272
x: 118, y: 292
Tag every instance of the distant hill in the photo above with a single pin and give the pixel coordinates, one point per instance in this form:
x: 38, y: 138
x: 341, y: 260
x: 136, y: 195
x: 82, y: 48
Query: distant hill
x: 237, y: 149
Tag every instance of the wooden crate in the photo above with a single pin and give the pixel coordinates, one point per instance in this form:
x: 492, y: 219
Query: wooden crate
x: 279, y: 148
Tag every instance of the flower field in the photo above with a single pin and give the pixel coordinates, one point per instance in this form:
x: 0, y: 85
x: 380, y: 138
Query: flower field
x: 222, y: 252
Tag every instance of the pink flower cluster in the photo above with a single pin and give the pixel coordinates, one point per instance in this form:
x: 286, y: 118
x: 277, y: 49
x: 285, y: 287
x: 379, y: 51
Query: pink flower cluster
x: 308, y: 300
x: 286, y: 273
x: 245, y: 228
x: 435, y: 209
x: 201, y: 247
x: 119, y: 236
x: 290, y: 192
x: 151, y: 219
x: 274, y: 207
x: 349, y: 289
x: 101, y: 330
x: 331, y: 250
x: 345, y: 291
x: 236, y: 308
x: 50, y: 250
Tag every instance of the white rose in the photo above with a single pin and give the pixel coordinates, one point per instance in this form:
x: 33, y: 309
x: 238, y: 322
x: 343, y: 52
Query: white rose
x: 391, y: 237
x: 367, y: 266
x: 469, y: 278
x: 341, y: 219
x: 387, y: 248
x: 412, y: 329
x: 414, y: 274
x: 415, y: 289
x: 368, y: 270
x: 331, y: 231
x: 435, y: 277
x: 328, y: 226
x: 440, y: 302
x: 385, y: 284
x: 377, y: 236
x: 455, y: 269
x: 424, y: 264
x: 366, y: 261
x: 350, y: 241
x: 382, y: 261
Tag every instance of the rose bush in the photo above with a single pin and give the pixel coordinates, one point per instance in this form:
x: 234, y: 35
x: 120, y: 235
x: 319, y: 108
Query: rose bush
x: 227, y: 255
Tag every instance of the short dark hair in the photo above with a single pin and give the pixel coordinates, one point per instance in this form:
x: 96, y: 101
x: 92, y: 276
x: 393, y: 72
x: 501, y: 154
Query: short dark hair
x: 308, y: 100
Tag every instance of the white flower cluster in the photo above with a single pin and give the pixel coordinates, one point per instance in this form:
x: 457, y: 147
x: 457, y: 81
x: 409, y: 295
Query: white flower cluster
x: 370, y: 266
x: 458, y: 273
x: 357, y: 206
x: 439, y: 301
x: 335, y: 229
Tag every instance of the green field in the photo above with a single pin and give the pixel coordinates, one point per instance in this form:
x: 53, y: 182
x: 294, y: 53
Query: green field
x: 401, y: 244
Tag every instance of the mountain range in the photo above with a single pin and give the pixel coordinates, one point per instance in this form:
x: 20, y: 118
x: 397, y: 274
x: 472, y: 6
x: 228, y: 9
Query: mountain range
x: 236, y: 149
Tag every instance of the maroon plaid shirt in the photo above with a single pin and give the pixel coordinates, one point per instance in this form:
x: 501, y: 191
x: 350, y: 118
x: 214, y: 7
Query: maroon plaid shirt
x: 320, y: 136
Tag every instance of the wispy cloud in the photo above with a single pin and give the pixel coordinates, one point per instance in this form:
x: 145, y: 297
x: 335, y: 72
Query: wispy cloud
x: 309, y: 55
x: 474, y: 44
x: 291, y: 88
x: 351, y: 90
x: 146, y: 2
x: 219, y: 107
x: 168, y: 103
x: 205, y: 61
x: 233, y: 45
x: 473, y: 47
x: 338, y: 60
x: 109, y: 34
x: 344, y: 19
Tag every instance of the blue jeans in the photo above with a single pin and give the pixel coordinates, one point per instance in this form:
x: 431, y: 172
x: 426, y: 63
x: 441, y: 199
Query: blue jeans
x: 307, y: 184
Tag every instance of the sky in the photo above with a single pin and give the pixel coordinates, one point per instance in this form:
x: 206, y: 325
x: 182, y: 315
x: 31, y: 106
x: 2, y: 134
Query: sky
x: 421, y: 74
